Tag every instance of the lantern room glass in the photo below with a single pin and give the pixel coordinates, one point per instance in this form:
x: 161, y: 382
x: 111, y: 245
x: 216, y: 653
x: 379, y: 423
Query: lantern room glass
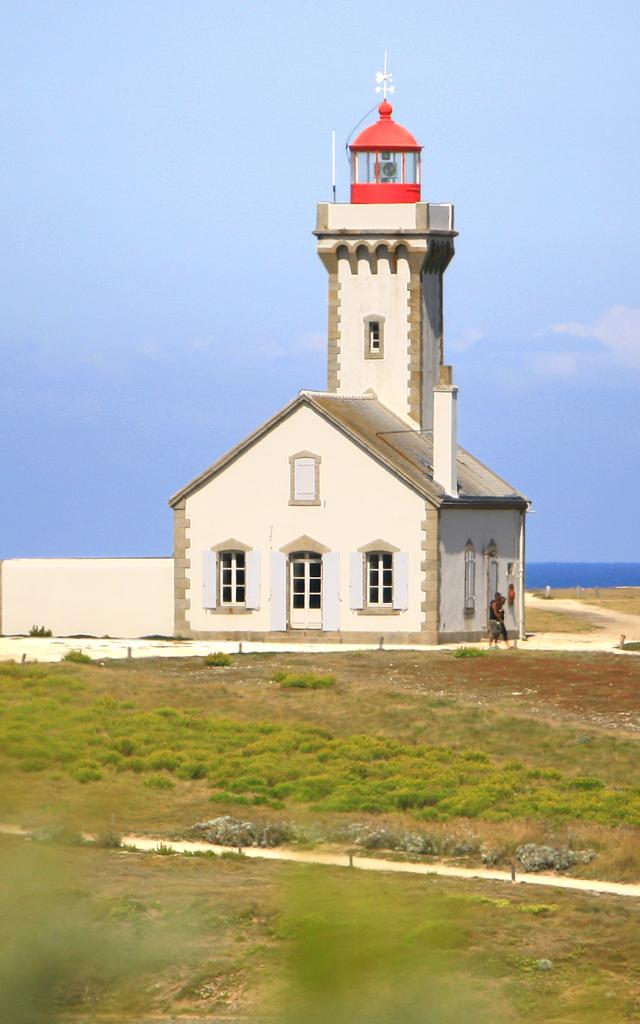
x: 386, y: 167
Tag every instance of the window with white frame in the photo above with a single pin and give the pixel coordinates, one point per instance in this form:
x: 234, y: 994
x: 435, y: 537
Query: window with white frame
x: 469, y: 578
x: 379, y: 579
x: 374, y: 337
x: 232, y: 577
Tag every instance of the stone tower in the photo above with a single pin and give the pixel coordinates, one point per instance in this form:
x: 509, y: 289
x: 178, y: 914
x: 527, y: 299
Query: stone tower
x: 386, y: 253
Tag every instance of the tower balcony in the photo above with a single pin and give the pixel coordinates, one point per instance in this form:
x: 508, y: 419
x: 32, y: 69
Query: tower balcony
x: 382, y: 220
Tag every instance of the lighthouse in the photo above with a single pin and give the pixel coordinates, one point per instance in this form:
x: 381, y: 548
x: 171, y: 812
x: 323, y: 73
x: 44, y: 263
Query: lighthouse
x: 352, y: 513
x: 386, y: 252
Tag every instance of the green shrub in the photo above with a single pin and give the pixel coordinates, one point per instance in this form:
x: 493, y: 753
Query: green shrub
x: 77, y: 658
x: 192, y: 770
x: 85, y: 774
x: 159, y: 782
x: 39, y: 631
x: 163, y: 760
x: 218, y: 660
x: 469, y: 652
x: 303, y: 680
x: 586, y: 782
x: 538, y: 908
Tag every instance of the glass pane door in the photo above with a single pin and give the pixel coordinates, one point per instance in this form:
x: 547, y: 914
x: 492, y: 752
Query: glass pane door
x: 305, y: 590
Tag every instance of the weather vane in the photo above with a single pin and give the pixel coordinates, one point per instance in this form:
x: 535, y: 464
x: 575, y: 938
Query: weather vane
x: 384, y: 80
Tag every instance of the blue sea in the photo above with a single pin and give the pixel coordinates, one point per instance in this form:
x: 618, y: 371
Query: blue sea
x: 582, y: 574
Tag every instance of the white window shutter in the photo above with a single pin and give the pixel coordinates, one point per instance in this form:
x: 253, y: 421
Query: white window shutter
x: 278, y: 591
x: 252, y: 570
x: 401, y: 580
x: 304, y: 483
x: 331, y: 590
x: 209, y: 582
x: 356, y: 581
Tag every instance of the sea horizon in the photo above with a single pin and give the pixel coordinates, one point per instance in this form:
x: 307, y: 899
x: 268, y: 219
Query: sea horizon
x: 582, y: 574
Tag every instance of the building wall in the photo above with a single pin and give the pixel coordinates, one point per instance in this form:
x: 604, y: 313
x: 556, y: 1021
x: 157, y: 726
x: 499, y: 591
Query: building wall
x: 484, y: 529
x: 382, y: 294
x: 118, y: 597
x: 248, y: 502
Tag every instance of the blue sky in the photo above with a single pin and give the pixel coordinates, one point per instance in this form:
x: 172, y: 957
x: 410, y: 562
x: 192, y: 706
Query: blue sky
x: 161, y: 292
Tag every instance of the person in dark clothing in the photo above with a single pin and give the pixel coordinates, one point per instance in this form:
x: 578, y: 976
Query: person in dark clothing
x: 497, y: 628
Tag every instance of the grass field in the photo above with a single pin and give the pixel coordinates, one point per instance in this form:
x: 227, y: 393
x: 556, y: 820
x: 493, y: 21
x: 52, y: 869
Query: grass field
x: 485, y: 752
x: 508, y: 748
x: 129, y: 937
x: 545, y: 620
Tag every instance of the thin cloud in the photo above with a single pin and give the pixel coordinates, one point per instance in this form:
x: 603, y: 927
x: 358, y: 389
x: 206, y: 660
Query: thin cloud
x: 466, y: 340
x: 618, y: 329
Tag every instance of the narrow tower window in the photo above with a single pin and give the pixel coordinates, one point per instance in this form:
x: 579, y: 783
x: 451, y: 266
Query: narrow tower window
x: 374, y: 337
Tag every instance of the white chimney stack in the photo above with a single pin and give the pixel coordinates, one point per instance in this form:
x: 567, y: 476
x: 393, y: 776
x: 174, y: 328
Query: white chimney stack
x: 445, y: 432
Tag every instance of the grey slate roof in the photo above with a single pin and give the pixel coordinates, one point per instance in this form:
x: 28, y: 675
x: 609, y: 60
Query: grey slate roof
x: 406, y: 452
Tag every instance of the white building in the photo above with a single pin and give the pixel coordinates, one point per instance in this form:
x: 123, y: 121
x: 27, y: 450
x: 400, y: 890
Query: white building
x: 352, y: 513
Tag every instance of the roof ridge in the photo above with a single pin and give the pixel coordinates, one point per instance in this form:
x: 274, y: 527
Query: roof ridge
x: 332, y: 394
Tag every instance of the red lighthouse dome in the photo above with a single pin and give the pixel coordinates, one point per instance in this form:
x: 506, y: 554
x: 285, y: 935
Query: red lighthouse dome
x: 385, y: 162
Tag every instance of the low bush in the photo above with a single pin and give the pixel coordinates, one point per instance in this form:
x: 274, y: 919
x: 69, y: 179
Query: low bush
x: 85, y: 774
x: 39, y: 631
x: 469, y: 652
x: 192, y: 770
x: 303, y: 680
x: 218, y: 660
x: 77, y: 658
x: 159, y: 782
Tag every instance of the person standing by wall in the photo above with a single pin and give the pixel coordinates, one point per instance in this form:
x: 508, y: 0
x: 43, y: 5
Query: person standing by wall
x: 497, y: 628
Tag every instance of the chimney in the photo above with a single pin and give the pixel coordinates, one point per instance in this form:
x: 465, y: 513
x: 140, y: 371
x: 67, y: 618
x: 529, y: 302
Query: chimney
x: 445, y: 430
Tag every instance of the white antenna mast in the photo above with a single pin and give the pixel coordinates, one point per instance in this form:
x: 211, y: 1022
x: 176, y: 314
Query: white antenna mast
x: 333, y: 163
x: 384, y: 80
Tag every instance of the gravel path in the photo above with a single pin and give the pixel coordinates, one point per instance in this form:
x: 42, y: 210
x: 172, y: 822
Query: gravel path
x: 398, y: 867
x: 345, y: 860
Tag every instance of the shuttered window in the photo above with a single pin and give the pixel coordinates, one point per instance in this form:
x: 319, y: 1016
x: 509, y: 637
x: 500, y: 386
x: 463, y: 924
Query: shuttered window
x: 469, y: 578
x: 304, y: 479
x: 304, y: 487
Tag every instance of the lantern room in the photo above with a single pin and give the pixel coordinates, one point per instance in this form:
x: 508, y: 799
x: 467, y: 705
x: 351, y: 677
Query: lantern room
x: 385, y: 162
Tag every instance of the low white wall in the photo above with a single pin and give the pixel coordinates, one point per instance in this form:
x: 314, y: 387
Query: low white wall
x: 119, y: 597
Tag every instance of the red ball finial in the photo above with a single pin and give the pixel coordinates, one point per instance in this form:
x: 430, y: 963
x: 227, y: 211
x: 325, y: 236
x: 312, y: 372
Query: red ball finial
x: 385, y: 110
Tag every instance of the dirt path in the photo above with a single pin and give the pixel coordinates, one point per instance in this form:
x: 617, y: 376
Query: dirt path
x: 612, y: 622
x: 345, y: 860
x: 400, y: 867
